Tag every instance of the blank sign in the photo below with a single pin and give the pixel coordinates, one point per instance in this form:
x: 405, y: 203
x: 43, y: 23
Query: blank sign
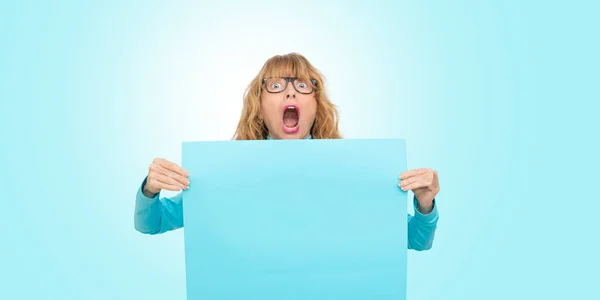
x: 295, y: 219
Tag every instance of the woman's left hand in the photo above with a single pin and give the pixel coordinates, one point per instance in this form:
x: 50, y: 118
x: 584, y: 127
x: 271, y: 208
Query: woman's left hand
x: 425, y: 185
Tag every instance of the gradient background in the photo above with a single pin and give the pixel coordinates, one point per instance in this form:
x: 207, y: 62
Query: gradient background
x: 499, y: 96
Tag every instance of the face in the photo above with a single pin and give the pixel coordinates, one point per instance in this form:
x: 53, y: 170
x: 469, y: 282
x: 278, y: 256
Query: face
x: 288, y: 114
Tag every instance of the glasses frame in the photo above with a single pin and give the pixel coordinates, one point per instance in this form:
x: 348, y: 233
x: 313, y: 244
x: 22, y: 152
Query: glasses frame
x: 292, y: 80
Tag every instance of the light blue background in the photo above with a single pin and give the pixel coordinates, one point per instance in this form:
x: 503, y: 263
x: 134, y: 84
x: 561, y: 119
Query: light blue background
x: 499, y: 97
x: 293, y: 220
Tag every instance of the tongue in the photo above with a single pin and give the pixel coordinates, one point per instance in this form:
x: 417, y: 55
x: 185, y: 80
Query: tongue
x: 290, y: 118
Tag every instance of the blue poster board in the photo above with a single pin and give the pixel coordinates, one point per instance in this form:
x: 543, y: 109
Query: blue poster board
x: 295, y: 219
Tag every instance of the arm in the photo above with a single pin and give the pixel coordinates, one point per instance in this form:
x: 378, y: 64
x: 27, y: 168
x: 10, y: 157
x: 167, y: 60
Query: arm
x: 155, y: 215
x: 421, y: 228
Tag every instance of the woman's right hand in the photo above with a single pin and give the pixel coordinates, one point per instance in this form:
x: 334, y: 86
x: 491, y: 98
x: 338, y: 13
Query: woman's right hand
x: 165, y: 175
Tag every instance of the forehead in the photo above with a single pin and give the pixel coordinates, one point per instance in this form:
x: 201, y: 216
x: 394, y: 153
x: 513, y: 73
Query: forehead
x: 286, y: 68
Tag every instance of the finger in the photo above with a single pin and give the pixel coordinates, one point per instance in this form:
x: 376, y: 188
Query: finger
x: 172, y: 167
x: 410, y: 180
x: 414, y: 172
x: 166, y: 180
x: 155, y: 167
x: 428, y: 177
x: 175, y: 176
x: 435, y: 177
x: 162, y: 185
x: 415, y: 185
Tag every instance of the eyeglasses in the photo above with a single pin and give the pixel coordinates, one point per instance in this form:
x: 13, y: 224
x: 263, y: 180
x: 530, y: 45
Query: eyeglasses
x: 279, y: 84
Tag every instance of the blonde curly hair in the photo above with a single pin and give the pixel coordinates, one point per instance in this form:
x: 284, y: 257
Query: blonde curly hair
x: 251, y: 125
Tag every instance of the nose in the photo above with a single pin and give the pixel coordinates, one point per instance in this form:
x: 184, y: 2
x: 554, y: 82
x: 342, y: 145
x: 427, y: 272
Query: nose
x: 290, y: 92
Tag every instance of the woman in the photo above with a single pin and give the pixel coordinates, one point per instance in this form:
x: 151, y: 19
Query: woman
x: 286, y: 100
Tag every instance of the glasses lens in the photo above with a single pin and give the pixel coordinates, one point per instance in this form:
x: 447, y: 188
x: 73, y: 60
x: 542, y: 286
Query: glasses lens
x: 303, y: 86
x: 275, y: 85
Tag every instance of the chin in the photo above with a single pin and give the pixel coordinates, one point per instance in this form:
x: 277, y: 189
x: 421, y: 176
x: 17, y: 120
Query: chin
x: 293, y: 136
x: 290, y: 133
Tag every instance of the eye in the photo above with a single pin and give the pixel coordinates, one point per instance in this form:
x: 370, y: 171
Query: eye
x: 302, y: 85
x: 275, y: 85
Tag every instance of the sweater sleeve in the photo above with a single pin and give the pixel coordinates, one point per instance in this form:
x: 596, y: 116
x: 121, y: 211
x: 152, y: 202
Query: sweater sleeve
x: 421, y: 228
x: 157, y: 215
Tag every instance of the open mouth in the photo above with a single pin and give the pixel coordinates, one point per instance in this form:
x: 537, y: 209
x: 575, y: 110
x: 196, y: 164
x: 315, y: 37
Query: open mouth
x: 291, y: 119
